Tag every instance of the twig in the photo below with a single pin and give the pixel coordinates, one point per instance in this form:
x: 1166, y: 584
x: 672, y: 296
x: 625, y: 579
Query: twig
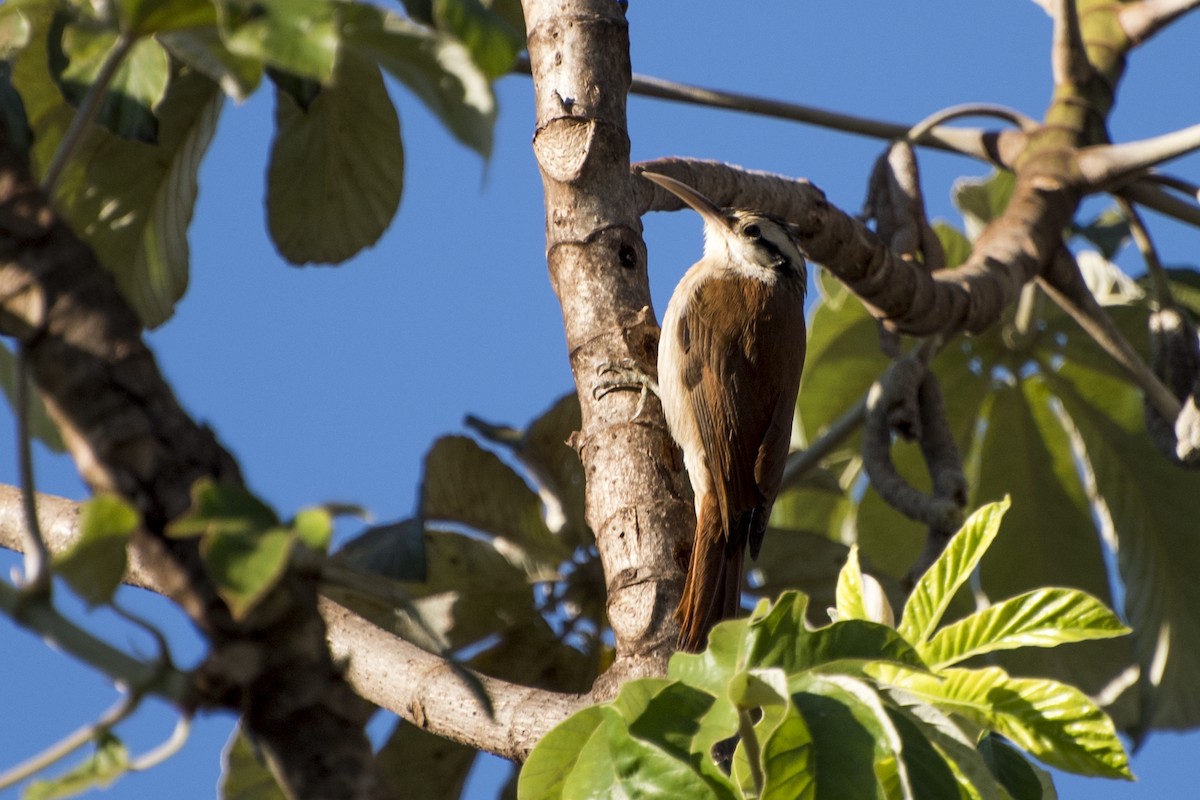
x: 1141, y: 237
x: 1106, y: 165
x: 72, y: 742
x: 800, y: 462
x: 1142, y: 20
x: 1192, y: 190
x: 86, y: 114
x: 37, y: 557
x: 968, y: 142
x: 939, y: 118
x: 1145, y: 191
x: 1091, y: 317
x: 178, y: 738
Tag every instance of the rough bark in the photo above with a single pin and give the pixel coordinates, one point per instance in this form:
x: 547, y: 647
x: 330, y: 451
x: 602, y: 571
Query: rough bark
x: 637, y: 502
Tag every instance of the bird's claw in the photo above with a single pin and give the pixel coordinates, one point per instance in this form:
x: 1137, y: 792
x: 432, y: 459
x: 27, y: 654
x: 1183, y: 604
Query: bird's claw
x: 624, y: 374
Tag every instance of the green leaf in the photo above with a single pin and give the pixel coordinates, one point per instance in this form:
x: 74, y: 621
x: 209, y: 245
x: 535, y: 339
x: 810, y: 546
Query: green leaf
x: 936, y: 588
x: 418, y: 765
x: 336, y: 169
x: 956, y: 246
x: 40, y: 425
x: 131, y: 201
x: 109, y: 762
x: 436, y: 67
x: 314, y: 527
x: 203, y: 50
x: 223, y: 509
x: 395, y: 550
x: 245, y: 566
x: 1152, y: 505
x: 845, y: 735
x: 981, y: 200
x: 144, y: 17
x: 244, y: 776
x: 927, y: 769
x: 1108, y: 231
x: 14, y: 31
x: 12, y: 110
x: 789, y: 760
x: 95, y: 563
x: 850, y: 601
x: 1042, y: 618
x: 1011, y: 769
x: 467, y: 485
x: 136, y: 89
x: 298, y: 36
x: 614, y: 764
x: 551, y: 762
x: 1055, y: 722
x: 492, y: 41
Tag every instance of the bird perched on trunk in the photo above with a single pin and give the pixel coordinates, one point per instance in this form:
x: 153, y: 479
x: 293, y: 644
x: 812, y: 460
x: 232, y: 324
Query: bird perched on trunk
x: 729, y: 363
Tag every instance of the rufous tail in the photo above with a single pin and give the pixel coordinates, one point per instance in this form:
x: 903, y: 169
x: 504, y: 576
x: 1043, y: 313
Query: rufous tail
x: 713, y: 589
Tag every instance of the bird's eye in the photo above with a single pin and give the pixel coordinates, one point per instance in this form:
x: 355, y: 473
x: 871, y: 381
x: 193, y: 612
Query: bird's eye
x: 752, y: 231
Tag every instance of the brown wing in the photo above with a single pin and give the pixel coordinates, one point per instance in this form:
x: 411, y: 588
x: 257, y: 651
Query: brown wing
x: 743, y: 392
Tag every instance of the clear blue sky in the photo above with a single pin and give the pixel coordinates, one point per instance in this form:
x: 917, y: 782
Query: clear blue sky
x: 329, y: 384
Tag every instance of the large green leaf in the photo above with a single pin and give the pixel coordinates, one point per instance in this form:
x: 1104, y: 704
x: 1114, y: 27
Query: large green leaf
x: 789, y: 760
x: 142, y: 17
x: 545, y: 772
x: 435, y: 66
x: 337, y: 168
x: 1053, y: 721
x: 937, y: 587
x: 927, y: 768
x: 1152, y: 506
x: 1041, y: 618
x: 848, y: 738
x: 131, y: 201
x: 203, y: 50
x: 468, y: 485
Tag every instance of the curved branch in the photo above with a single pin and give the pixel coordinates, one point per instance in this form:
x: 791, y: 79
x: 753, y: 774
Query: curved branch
x: 1147, y: 192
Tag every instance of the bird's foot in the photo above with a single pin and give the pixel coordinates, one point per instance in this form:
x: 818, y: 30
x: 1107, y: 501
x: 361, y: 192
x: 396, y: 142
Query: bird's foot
x: 624, y: 375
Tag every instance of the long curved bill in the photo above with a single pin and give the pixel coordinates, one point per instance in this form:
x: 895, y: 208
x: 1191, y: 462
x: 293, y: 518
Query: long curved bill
x: 710, y: 211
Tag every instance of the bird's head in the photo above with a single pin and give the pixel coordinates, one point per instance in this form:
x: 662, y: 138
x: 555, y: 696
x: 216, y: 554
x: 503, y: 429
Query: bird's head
x: 757, y: 244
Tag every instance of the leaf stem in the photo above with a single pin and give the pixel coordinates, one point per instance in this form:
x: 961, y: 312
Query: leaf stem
x: 753, y: 752
x: 86, y: 114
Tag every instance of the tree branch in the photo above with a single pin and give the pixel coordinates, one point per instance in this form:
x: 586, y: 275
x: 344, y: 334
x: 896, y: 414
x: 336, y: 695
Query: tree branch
x: 128, y: 435
x: 1142, y: 20
x: 1104, y: 166
x: 423, y: 688
x: 1068, y: 56
x: 993, y: 147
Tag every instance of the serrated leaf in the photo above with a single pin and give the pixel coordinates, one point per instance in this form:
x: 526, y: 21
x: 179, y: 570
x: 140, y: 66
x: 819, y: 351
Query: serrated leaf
x: 1055, y: 722
x: 436, y: 67
x: 40, y: 425
x: 420, y: 765
x: 95, y: 563
x: 936, y: 588
x: 468, y: 485
x: 245, y: 566
x: 1041, y: 618
x: 544, y: 773
x: 131, y: 201
x: 982, y: 199
x: 298, y: 36
x: 135, y: 89
x: 244, y: 776
x: 109, y: 762
x: 223, y: 509
x: 337, y: 169
x: 492, y: 41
